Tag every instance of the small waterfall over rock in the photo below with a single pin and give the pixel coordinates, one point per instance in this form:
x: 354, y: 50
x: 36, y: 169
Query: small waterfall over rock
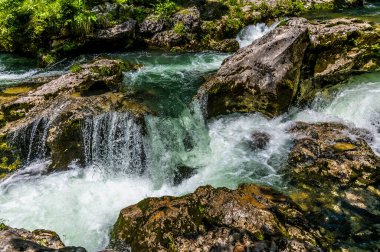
x: 253, y: 32
x: 175, y: 145
x: 31, y: 139
x: 114, y: 141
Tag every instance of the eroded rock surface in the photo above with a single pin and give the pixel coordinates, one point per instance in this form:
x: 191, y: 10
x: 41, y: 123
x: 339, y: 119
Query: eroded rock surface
x: 290, y: 64
x: 250, y: 218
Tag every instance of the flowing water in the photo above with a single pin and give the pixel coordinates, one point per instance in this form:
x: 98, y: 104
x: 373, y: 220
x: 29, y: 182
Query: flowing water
x: 253, y: 32
x: 125, y: 166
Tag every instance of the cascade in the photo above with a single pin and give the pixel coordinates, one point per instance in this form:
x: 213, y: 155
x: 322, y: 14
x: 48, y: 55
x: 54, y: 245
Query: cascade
x: 31, y: 139
x: 252, y: 32
x: 114, y: 140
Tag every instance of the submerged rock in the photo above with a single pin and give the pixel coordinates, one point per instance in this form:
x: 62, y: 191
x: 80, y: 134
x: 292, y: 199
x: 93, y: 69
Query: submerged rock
x: 182, y: 173
x: 47, y: 121
x: 259, y: 140
x: 290, y: 64
x: 17, y: 240
x: 250, y: 218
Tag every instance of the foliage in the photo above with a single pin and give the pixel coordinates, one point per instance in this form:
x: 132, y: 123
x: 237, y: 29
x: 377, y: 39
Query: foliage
x: 165, y: 8
x: 33, y: 21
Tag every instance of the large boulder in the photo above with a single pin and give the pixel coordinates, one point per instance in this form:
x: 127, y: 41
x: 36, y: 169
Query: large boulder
x: 335, y: 177
x: 17, y: 240
x: 251, y: 218
x: 291, y: 64
x: 339, y: 49
x: 47, y: 121
x: 262, y: 77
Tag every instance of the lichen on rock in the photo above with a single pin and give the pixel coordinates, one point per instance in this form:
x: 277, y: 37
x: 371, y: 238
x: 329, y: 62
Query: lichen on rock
x: 251, y: 217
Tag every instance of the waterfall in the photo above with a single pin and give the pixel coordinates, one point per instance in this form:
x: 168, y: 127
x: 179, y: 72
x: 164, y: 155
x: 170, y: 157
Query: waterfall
x: 253, y: 32
x: 114, y: 141
x: 175, y: 142
x: 30, y: 140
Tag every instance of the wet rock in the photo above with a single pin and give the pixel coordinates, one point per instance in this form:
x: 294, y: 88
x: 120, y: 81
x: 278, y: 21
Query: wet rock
x: 14, y: 240
x: 46, y: 121
x: 249, y: 218
x: 291, y: 64
x: 259, y: 140
x: 335, y: 178
x: 182, y: 173
x: 331, y: 153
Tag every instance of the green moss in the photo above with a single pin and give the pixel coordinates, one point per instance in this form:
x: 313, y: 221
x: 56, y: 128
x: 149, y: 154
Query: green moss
x: 179, y: 28
x: 76, y: 68
x: 3, y: 226
x: 144, y: 205
x: 48, y: 59
x: 258, y: 236
x: 9, y: 160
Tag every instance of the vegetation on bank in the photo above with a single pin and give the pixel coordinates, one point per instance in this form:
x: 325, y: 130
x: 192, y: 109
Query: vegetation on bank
x: 33, y: 27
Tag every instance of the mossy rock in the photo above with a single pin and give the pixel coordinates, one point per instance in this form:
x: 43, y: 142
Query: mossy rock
x: 207, y: 218
x: 9, y: 159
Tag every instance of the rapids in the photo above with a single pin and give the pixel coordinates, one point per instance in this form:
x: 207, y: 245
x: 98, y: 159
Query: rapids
x: 82, y: 204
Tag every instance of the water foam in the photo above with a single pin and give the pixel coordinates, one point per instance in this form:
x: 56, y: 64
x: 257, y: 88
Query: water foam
x: 254, y: 32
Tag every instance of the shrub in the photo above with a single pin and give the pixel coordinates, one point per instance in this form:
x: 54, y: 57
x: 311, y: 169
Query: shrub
x: 165, y: 8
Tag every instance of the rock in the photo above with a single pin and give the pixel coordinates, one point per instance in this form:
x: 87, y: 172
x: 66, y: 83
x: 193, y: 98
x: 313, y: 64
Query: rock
x: 259, y: 140
x: 14, y: 240
x: 226, y: 45
x: 339, y: 48
x: 326, y: 153
x: 46, y: 121
x: 335, y: 178
x: 249, y: 218
x: 290, y: 64
x: 181, y: 173
x: 167, y: 40
x: 119, y: 36
x: 189, y: 18
x: 262, y: 77
x: 152, y: 25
